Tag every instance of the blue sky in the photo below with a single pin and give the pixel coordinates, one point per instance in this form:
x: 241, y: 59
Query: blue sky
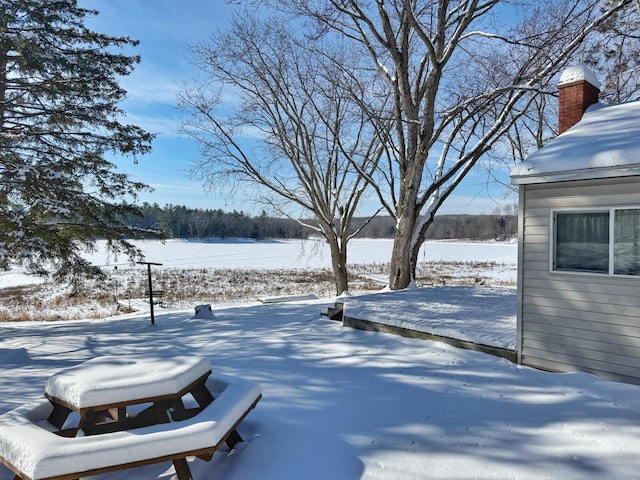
x: 165, y: 29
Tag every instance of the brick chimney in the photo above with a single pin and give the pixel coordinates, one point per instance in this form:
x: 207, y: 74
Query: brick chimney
x: 578, y: 87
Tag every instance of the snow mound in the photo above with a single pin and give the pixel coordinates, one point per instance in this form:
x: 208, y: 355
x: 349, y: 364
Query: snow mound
x: 203, y: 311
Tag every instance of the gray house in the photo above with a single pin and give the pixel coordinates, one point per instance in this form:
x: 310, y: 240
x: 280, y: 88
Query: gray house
x: 579, y: 239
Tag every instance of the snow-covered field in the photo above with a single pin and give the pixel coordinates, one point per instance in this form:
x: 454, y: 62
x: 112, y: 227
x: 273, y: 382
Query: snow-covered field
x: 284, y: 254
x: 223, y: 271
x: 346, y: 404
x: 289, y: 254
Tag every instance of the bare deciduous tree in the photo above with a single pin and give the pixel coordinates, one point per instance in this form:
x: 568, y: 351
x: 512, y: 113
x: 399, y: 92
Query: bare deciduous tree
x: 614, y: 54
x: 285, y: 125
x: 461, y: 74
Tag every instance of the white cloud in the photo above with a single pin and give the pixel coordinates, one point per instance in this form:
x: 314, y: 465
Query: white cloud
x: 459, y: 204
x: 150, y: 85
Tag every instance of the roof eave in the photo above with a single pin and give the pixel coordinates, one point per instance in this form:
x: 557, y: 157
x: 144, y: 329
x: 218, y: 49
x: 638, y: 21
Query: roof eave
x: 575, y: 175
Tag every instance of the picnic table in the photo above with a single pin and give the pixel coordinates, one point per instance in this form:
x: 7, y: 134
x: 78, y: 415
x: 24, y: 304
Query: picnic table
x: 121, y: 393
x: 118, y: 412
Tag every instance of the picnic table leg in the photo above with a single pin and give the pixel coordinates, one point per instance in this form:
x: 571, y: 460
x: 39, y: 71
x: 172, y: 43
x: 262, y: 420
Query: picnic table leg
x: 182, y: 469
x: 58, y: 415
x: 233, y: 438
x: 202, y: 395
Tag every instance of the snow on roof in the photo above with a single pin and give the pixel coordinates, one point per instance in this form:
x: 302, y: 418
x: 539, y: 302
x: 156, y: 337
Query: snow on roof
x: 605, y: 143
x: 577, y: 73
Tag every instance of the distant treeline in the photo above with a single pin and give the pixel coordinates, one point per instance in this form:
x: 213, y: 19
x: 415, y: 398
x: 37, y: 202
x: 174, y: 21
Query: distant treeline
x: 184, y: 222
x: 495, y: 226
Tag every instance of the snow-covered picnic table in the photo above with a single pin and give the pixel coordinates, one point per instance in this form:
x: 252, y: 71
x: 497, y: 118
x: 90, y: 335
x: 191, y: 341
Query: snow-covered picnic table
x: 111, y: 413
x: 113, y: 393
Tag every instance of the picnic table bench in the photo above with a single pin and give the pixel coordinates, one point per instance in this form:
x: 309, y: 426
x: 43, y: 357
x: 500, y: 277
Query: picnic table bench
x: 157, y: 296
x: 112, y: 413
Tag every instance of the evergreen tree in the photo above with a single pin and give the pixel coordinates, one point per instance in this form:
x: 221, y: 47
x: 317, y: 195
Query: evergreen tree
x: 59, y: 120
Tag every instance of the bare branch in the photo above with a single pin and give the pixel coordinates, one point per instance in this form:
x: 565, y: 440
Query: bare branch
x: 315, y: 143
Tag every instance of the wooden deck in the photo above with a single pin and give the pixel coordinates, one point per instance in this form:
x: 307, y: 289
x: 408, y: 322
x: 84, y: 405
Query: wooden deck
x: 405, y: 332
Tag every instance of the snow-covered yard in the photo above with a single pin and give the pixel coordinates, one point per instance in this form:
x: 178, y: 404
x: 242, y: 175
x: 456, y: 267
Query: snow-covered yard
x: 478, y: 314
x: 347, y: 404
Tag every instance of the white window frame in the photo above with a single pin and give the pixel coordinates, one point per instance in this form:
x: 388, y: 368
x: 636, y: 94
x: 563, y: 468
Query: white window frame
x: 553, y: 235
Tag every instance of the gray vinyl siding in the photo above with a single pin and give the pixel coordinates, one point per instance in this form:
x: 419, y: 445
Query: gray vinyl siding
x: 575, y: 321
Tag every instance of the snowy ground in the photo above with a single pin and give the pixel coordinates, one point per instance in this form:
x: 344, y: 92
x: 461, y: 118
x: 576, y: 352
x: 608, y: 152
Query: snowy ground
x: 289, y: 255
x: 346, y: 404
x: 459, y: 312
x: 246, y: 253
x: 238, y: 270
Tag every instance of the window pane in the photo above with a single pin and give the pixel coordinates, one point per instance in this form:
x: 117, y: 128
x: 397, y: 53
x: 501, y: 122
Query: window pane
x: 626, y: 248
x: 582, y: 242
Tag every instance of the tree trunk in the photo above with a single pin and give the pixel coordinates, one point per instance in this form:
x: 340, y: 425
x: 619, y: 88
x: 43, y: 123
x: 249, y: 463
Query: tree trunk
x: 3, y: 74
x: 407, y: 214
x: 339, y: 264
x: 401, y: 273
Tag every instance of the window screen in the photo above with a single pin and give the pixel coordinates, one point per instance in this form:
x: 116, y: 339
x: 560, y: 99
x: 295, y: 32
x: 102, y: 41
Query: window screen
x: 626, y: 248
x: 582, y: 241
